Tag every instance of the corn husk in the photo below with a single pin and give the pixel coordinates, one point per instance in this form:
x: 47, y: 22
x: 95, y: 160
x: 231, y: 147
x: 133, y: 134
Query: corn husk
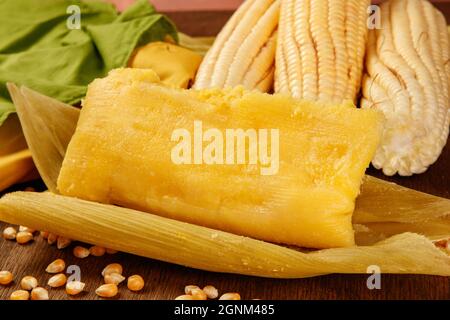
x: 368, y: 234
x: 176, y: 66
x: 395, y: 226
x: 382, y: 201
x: 16, y: 164
x: 190, y: 245
x: 11, y: 137
x: 48, y: 126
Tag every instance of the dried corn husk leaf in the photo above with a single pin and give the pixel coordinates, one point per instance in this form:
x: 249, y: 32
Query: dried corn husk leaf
x: 381, y: 201
x: 385, y: 209
x: 370, y: 233
x: 48, y: 126
x: 207, y: 249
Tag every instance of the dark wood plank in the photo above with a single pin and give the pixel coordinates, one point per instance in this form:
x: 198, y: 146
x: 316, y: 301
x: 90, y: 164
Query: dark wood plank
x: 200, y: 23
x: 166, y: 281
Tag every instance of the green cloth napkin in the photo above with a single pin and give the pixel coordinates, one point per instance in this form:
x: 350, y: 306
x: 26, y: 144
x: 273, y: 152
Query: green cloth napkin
x: 38, y: 50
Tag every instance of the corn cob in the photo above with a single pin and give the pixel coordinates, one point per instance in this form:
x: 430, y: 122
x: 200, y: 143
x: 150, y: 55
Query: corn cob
x: 321, y: 49
x: 407, y: 77
x: 244, y: 51
x: 47, y: 152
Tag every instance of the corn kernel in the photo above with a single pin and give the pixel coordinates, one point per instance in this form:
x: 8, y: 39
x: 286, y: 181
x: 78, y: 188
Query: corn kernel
x: 112, y: 268
x: 111, y: 251
x: 198, y: 294
x: 230, y: 296
x: 211, y: 292
x: 97, y: 251
x: 6, y: 277
x: 184, y: 297
x: 52, y: 238
x: 26, y: 229
x: 9, y: 233
x: 39, y: 293
x: 114, y: 278
x: 107, y: 290
x: 44, y: 235
x: 135, y: 283
x: 57, y: 280
x: 20, y: 295
x: 24, y: 237
x: 80, y: 252
x: 28, y: 283
x: 188, y: 289
x: 63, y: 242
x: 56, y: 266
x: 74, y: 287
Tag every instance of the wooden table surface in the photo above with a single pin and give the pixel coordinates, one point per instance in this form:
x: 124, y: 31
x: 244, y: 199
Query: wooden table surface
x: 166, y: 281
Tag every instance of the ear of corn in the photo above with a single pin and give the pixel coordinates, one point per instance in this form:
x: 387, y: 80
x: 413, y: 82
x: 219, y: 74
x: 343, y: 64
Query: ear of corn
x: 321, y: 49
x: 244, y: 51
x: 190, y: 245
x: 407, y: 78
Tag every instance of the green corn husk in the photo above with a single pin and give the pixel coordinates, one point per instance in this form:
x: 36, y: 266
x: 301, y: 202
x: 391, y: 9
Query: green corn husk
x: 48, y: 126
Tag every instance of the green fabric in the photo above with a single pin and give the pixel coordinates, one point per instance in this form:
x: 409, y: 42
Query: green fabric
x: 38, y: 50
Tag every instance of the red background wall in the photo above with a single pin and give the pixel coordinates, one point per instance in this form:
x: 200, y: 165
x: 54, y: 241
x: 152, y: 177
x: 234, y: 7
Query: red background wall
x: 195, y: 5
x: 186, y: 5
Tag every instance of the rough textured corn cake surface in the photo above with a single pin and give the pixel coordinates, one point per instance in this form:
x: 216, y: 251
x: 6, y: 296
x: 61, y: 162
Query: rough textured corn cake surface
x: 121, y: 154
